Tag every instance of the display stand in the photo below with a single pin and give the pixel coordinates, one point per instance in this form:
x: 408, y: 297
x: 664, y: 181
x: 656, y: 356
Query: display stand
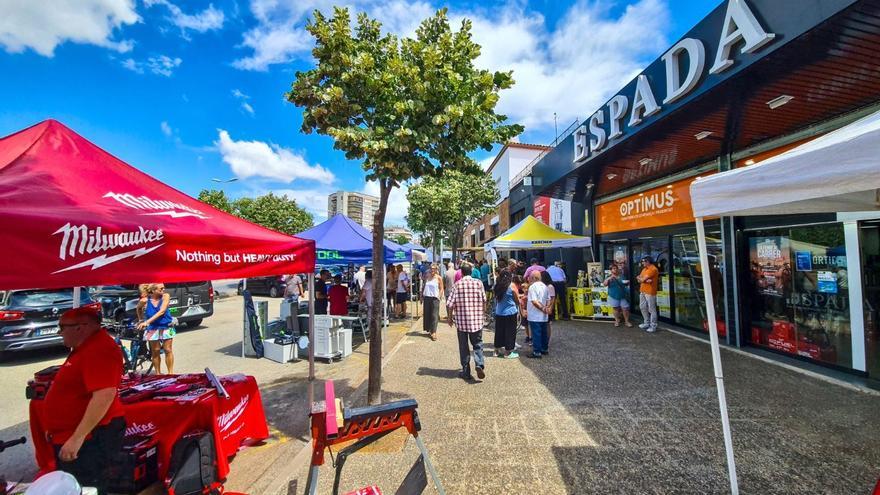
x: 333, y: 425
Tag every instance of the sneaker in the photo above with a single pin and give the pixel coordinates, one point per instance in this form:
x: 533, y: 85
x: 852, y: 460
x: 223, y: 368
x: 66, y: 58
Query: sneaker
x: 465, y: 376
x: 535, y: 356
x: 481, y: 373
x: 629, y: 325
x: 644, y: 326
x: 512, y: 355
x: 651, y: 329
x: 434, y: 337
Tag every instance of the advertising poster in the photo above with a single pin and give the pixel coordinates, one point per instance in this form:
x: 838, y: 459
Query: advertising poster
x: 553, y: 212
x: 599, y: 292
x: 771, y: 264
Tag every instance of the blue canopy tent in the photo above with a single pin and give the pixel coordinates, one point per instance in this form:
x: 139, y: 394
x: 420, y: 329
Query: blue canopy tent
x: 340, y: 241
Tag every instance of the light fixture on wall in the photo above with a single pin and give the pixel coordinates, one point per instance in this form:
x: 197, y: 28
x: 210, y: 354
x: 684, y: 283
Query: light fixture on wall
x: 750, y: 162
x: 645, y: 161
x: 702, y: 135
x: 779, y: 101
x: 611, y: 176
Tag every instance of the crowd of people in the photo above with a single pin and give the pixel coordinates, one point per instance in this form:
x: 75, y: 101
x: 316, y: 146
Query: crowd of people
x: 514, y: 296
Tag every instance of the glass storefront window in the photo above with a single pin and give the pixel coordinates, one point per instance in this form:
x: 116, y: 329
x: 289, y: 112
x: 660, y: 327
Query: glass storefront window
x: 617, y: 253
x: 799, y: 292
x: 690, y: 309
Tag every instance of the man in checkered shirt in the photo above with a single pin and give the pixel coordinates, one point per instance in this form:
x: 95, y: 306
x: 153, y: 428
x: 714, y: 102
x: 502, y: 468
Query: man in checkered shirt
x: 465, y: 305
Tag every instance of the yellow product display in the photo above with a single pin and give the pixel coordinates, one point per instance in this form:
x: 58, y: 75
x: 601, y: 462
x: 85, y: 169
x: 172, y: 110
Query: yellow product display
x: 580, y: 302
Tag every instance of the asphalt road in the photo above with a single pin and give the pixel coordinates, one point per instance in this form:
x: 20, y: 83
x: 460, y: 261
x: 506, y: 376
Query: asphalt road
x: 217, y: 344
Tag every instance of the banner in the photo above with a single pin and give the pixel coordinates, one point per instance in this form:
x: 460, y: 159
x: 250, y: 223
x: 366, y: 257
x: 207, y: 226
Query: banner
x: 553, y: 212
x: 595, y: 276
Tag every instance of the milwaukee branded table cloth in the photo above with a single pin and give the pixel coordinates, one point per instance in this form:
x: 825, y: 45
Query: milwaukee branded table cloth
x: 72, y: 214
x: 170, y: 412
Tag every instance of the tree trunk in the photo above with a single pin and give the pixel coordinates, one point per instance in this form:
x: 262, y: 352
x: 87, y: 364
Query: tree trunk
x: 374, y: 386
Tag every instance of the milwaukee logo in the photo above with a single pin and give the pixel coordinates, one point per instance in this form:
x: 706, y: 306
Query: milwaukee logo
x: 140, y: 429
x: 228, y: 418
x: 78, y: 240
x: 168, y: 208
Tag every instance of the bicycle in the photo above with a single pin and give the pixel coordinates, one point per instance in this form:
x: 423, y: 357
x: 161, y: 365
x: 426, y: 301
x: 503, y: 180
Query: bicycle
x: 136, y: 358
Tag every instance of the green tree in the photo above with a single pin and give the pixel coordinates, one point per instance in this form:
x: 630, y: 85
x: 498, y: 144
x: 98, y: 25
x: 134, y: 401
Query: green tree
x: 400, y: 239
x: 275, y: 212
x: 406, y: 107
x: 215, y: 198
x: 447, y: 203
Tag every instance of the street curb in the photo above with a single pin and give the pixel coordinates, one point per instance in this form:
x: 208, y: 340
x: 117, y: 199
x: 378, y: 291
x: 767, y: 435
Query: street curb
x: 812, y: 374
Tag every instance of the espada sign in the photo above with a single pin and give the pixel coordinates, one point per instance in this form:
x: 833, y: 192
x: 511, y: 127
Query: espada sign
x: 684, y: 63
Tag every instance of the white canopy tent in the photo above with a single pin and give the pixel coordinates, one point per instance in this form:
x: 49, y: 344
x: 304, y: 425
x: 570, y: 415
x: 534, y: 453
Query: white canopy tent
x: 837, y: 172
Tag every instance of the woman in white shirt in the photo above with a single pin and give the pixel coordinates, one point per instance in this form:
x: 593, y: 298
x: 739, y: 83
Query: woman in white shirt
x: 431, y: 290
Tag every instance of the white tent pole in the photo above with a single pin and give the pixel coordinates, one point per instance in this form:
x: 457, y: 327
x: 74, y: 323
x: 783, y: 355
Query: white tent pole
x: 77, y: 291
x: 311, y: 282
x: 716, y: 354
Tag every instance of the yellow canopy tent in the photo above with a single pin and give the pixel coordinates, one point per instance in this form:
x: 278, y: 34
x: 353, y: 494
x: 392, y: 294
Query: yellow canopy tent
x: 531, y: 233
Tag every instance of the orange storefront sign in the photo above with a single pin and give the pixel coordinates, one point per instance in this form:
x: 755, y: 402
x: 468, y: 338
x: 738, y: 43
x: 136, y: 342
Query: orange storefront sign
x: 664, y: 205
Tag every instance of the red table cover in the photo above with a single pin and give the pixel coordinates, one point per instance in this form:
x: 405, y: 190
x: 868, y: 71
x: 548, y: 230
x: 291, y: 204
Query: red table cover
x: 231, y: 420
x: 74, y: 215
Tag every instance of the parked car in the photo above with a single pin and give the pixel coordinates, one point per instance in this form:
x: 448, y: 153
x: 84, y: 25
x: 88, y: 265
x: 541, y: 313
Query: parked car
x: 29, y: 318
x: 190, y: 303
x: 272, y: 286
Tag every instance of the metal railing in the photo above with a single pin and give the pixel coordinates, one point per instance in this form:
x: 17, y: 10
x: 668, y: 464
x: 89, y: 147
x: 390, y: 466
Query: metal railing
x: 528, y: 169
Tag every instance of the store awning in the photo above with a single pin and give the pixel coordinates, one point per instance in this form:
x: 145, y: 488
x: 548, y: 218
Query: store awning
x: 531, y: 233
x: 839, y: 171
x: 74, y: 215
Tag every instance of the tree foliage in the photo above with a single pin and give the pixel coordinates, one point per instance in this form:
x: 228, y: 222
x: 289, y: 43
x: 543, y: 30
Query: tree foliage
x: 446, y: 204
x: 216, y: 198
x: 275, y: 212
x: 406, y: 107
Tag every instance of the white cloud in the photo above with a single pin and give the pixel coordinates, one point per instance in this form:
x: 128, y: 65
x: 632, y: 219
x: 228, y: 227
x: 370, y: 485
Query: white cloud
x: 280, y: 35
x: 243, y: 98
x: 163, y: 65
x: 398, y: 206
x: 207, y: 20
x: 575, y: 68
x: 313, y: 201
x: 166, y: 129
x: 261, y: 159
x: 42, y: 26
x: 131, y: 65
x: 570, y: 68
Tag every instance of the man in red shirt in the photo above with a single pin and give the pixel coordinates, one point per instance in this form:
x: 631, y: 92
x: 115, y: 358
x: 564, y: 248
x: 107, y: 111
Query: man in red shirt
x: 85, y: 420
x: 338, y: 296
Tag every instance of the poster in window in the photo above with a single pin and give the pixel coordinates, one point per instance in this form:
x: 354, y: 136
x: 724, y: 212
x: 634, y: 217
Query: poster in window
x: 771, y: 264
x: 599, y: 293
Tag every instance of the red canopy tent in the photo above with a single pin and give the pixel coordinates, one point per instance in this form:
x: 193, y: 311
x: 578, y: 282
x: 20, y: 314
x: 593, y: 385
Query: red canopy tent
x: 74, y: 215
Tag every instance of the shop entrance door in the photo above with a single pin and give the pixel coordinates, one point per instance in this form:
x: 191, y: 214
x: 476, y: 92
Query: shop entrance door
x: 617, y: 252
x: 870, y: 244
x: 658, y: 249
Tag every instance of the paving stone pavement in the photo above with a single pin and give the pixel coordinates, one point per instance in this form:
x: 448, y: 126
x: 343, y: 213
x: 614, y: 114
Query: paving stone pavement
x: 617, y: 410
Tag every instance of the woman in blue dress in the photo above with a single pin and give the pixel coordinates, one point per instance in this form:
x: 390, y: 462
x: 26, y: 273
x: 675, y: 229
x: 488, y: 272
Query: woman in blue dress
x: 158, y: 331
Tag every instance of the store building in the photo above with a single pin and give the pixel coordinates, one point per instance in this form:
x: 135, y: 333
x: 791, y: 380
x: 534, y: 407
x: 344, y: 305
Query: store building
x: 753, y: 79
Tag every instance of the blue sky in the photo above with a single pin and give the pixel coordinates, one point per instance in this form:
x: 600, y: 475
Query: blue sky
x: 189, y: 91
